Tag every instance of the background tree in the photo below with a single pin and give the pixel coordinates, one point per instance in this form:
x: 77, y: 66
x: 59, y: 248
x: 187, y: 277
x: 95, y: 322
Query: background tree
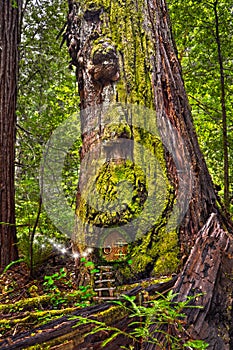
x: 10, y: 15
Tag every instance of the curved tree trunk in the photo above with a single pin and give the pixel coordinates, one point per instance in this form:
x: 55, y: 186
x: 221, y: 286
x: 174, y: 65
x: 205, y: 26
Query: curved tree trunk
x: 9, y: 40
x: 205, y: 228
x: 125, y: 52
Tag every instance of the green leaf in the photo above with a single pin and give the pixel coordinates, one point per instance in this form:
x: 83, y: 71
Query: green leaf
x: 197, y: 344
x: 110, y: 338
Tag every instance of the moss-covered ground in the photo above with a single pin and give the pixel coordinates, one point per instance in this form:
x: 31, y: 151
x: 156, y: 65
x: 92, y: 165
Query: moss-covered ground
x: 26, y: 302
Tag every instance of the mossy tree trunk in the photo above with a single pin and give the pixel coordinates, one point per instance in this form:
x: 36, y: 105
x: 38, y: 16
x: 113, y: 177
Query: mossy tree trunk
x: 124, y: 52
x: 9, y: 40
x: 112, y: 52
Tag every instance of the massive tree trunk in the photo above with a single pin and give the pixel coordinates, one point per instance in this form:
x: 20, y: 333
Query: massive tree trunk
x: 205, y: 228
x: 114, y: 74
x: 9, y: 40
x: 124, y: 52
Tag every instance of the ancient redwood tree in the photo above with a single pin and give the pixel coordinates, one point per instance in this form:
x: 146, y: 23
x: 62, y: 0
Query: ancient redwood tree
x: 9, y: 39
x: 124, y: 52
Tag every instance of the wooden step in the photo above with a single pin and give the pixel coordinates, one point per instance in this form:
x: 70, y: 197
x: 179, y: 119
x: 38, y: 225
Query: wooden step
x: 104, y: 273
x: 104, y: 281
x: 104, y: 288
x: 105, y: 298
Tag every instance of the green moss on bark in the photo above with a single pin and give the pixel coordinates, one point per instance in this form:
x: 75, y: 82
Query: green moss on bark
x: 121, y: 27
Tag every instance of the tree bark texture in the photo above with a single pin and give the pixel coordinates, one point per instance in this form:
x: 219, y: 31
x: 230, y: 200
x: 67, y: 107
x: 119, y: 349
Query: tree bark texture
x: 143, y: 50
x: 9, y: 40
x: 205, y: 228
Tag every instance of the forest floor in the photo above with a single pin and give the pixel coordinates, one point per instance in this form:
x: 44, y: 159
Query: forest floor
x: 29, y: 302
x: 26, y: 302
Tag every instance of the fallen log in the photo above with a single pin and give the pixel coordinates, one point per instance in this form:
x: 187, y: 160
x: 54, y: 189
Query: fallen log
x: 62, y: 334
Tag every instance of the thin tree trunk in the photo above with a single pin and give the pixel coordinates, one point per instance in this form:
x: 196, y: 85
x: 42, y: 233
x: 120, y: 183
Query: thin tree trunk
x: 224, y: 112
x: 9, y: 40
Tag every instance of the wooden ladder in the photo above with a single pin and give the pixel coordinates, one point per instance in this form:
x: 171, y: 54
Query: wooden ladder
x: 105, y: 283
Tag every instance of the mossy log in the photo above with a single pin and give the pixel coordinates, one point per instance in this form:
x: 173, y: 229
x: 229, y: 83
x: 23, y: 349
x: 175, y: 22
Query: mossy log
x: 32, y: 317
x: 62, y: 334
x: 26, y: 304
x: 40, y: 301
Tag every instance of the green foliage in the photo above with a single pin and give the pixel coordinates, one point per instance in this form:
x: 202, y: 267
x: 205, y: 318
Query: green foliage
x: 82, y: 296
x: 194, y: 29
x: 50, y: 281
x: 70, y: 173
x: 196, y: 344
x: 41, y: 248
x: 86, y: 294
x: 47, y: 97
x: 164, y: 313
x: 14, y: 4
